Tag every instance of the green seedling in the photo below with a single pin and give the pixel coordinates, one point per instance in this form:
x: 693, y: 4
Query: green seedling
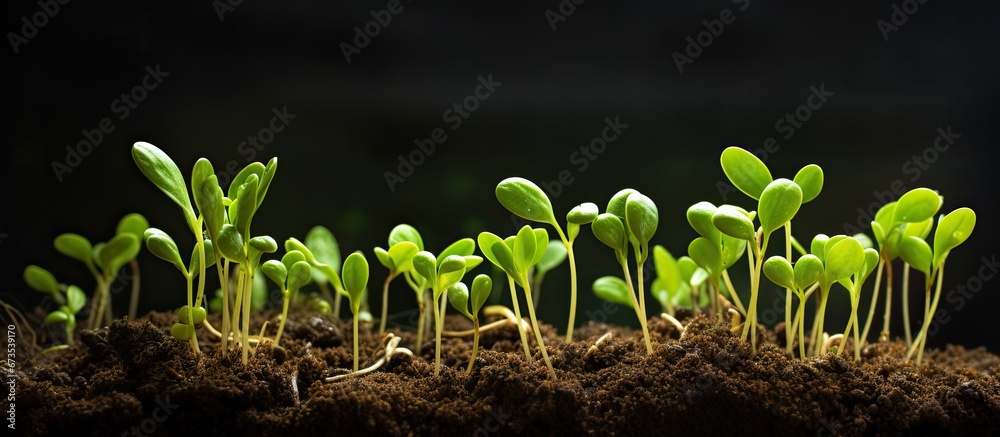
x: 914, y: 206
x: 778, y: 200
x: 163, y: 246
x: 104, y: 260
x: 290, y: 274
x: 952, y: 230
x: 800, y: 280
x: 459, y: 297
x: 632, y: 218
x: 43, y: 281
x: 668, y: 287
x: 398, y: 259
x: 517, y: 255
x: 613, y: 289
x: 555, y: 254
x: 134, y: 224
x: 355, y: 273
x: 326, y: 250
x: 441, y: 273
x: 842, y: 257
x: 913, y: 252
x: 716, y: 251
x: 853, y: 285
x: 526, y: 200
x: 66, y: 314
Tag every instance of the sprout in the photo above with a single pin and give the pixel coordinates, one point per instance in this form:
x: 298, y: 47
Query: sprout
x: 516, y: 256
x: 162, y: 246
x: 806, y: 272
x: 526, y: 200
x: 714, y: 251
x: 355, y: 273
x: 458, y: 295
x: 613, y: 289
x: 398, y: 259
x: 42, y: 280
x: 668, y: 287
x: 290, y: 274
x: 324, y: 247
x: 842, y: 257
x: 441, y: 273
x: 555, y: 254
x: 134, y: 224
x: 66, y: 314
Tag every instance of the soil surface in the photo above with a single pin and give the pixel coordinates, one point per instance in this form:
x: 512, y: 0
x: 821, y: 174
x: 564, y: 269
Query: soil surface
x: 134, y: 379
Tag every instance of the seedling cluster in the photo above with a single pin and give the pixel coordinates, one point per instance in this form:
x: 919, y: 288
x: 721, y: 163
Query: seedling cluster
x: 220, y: 235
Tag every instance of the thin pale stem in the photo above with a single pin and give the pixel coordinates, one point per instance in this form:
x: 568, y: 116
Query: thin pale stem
x: 800, y: 315
x: 871, y: 309
x: 788, y: 291
x: 247, y: 283
x: 538, y: 332
x: 906, y: 304
x: 133, y: 304
x: 284, y: 316
x: 638, y: 309
x: 420, y: 325
x: 200, y: 247
x: 439, y: 326
x: 754, y: 292
x: 223, y: 268
x: 194, y: 335
x: 732, y: 293
x: 356, y: 345
x: 385, y: 301
x: 820, y: 319
x: 921, y: 342
x: 517, y: 313
x: 885, y: 336
x: 475, y: 345
x: 572, y: 287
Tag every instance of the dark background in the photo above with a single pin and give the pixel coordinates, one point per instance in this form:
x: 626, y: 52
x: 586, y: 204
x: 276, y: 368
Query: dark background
x: 352, y: 121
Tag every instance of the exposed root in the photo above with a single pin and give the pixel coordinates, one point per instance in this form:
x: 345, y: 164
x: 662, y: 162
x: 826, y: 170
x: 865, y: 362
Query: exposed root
x: 735, y: 323
x: 673, y: 320
x: 295, y: 386
x: 829, y: 340
x: 391, y: 348
x: 493, y: 310
x: 597, y: 345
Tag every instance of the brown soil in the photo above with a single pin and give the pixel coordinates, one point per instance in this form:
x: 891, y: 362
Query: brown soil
x: 134, y: 379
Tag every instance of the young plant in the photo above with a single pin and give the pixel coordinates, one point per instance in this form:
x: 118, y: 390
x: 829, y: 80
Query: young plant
x: 853, y: 285
x: 778, y: 200
x: 163, y: 246
x: 952, y: 230
x: 842, y: 257
x: 324, y: 246
x: 441, y: 273
x: 613, y: 289
x: 290, y: 274
x: 398, y: 259
x: 66, y: 314
x: 716, y: 251
x: 43, y: 281
x: 555, y: 254
x: 668, y: 286
x: 632, y: 218
x: 516, y: 256
x: 914, y: 206
x: 800, y: 280
x: 459, y: 295
x: 526, y: 200
x: 134, y: 224
x: 355, y: 273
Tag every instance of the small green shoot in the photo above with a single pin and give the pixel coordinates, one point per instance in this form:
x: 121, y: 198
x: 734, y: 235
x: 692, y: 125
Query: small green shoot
x: 555, y: 254
x: 66, y: 314
x: 324, y: 247
x: 290, y: 274
x: 398, y: 259
x: 441, y: 273
x: 355, y: 273
x: 459, y: 297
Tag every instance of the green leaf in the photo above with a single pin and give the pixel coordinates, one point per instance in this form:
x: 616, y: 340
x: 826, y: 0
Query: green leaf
x: 844, y: 258
x: 76, y: 299
x: 732, y: 250
x: 706, y: 255
x: 76, y: 247
x: 952, y: 230
x: 733, y: 222
x: 258, y: 291
x: 505, y: 260
x: 818, y: 246
x: 208, y: 196
x: 779, y: 202
x: 916, y: 252
x: 883, y: 222
x: 524, y: 249
x: 246, y: 205
x: 746, y: 172
x: 406, y: 232
x: 642, y: 217
x: 458, y: 296
x: 231, y: 244
x: 42, y: 280
x: 355, y: 274
x: 482, y: 286
x: 582, y: 214
x: 700, y: 216
x: 182, y: 332
x: 163, y: 172
x: 265, y: 179
x: 291, y: 257
x: 667, y: 270
x: 195, y: 266
x: 523, y: 198
x: 541, y: 243
x: 871, y: 261
x: 810, y: 180
x: 425, y: 265
x: 686, y: 266
x: 252, y: 169
x: 608, y: 229
x: 134, y: 224
x: 401, y: 255
x: 264, y: 244
x: 118, y: 252
x: 917, y: 205
x: 299, y: 275
x: 56, y: 317
x: 780, y: 272
x: 463, y: 247
x: 864, y: 239
x: 486, y: 240
x: 613, y: 289
x: 699, y: 276
x: 325, y: 250
x: 554, y: 254
x: 383, y: 258
x: 163, y: 247
x: 276, y: 272
x: 618, y: 202
x: 450, y: 272
x: 808, y: 269
x: 919, y: 229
